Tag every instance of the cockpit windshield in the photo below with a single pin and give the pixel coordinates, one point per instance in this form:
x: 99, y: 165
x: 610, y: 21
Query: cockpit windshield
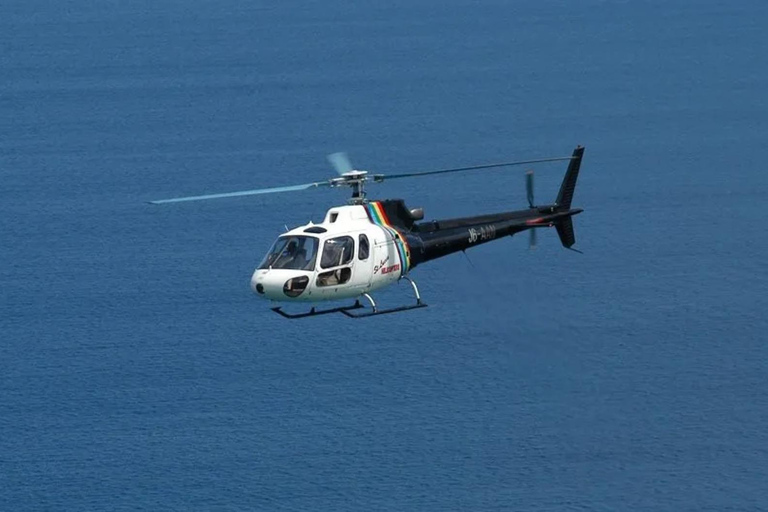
x: 292, y: 252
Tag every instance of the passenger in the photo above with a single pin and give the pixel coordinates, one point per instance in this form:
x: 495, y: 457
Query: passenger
x: 330, y: 255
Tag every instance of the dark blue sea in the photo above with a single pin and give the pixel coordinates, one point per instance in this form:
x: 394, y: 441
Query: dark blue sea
x: 139, y: 372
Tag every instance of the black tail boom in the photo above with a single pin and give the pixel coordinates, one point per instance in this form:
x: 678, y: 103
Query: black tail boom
x: 434, y: 239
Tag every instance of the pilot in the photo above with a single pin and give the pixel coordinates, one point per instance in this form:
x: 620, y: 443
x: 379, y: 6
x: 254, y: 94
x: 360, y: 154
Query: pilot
x: 287, y: 255
x: 300, y: 261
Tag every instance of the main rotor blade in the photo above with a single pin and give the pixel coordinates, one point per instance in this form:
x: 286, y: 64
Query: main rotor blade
x: 292, y: 188
x: 382, y: 177
x: 340, y: 162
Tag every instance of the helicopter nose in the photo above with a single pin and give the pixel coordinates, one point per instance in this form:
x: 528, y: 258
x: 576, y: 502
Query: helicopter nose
x: 256, y: 282
x: 280, y: 285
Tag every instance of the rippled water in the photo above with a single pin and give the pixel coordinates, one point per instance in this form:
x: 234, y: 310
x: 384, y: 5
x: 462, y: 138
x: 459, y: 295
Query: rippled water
x: 137, y: 370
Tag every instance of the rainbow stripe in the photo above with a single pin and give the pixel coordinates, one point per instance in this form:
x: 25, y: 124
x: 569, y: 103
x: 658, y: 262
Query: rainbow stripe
x: 379, y: 217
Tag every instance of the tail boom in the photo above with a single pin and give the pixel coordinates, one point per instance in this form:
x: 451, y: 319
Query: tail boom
x: 438, y: 238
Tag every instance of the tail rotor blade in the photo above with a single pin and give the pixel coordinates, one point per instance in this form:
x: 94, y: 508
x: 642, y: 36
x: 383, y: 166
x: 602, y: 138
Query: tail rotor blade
x: 529, y: 193
x: 529, y: 187
x: 340, y: 162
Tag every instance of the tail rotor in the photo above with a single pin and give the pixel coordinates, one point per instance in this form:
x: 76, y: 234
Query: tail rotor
x: 529, y: 187
x: 529, y: 192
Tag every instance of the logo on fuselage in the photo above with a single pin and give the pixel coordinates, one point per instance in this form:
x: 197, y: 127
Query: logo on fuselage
x: 391, y: 268
x: 385, y: 269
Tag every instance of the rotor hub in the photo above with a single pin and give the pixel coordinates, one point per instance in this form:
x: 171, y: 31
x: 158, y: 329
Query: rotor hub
x: 354, y: 174
x: 354, y: 179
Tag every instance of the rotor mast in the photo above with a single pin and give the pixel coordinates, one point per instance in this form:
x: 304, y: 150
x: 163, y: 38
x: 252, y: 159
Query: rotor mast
x: 358, y: 192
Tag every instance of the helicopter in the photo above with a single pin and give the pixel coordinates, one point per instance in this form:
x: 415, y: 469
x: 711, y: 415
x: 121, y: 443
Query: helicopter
x: 367, y: 245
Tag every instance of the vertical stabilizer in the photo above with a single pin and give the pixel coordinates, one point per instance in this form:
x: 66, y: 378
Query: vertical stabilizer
x: 565, y: 232
x: 565, y: 196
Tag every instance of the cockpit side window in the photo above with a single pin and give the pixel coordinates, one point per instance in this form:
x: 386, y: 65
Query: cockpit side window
x: 337, y: 255
x: 337, y: 251
x: 363, y: 248
x: 292, y: 252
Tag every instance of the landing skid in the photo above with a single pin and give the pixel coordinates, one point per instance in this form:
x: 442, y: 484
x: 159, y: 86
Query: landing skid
x: 348, y: 310
x: 375, y: 311
x: 316, y: 312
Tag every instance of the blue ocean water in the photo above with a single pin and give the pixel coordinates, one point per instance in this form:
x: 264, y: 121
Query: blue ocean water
x: 138, y: 371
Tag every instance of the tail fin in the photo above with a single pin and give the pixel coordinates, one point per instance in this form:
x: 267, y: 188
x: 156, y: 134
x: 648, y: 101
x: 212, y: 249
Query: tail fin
x: 565, y: 196
x: 565, y: 226
x: 565, y: 232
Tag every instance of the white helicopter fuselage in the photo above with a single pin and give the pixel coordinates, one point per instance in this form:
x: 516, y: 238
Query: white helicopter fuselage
x: 367, y: 245
x: 353, y: 251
